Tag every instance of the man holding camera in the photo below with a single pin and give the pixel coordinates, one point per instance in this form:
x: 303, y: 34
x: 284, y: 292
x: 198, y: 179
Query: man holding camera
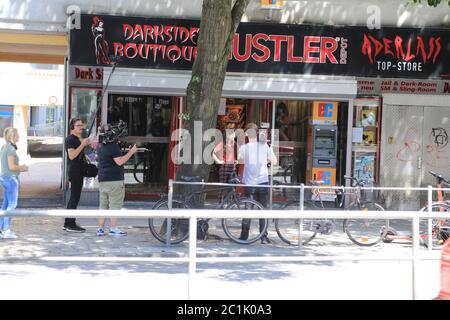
x: 111, y: 174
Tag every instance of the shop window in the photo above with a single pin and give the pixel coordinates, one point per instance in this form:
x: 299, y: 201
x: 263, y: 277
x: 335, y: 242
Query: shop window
x: 145, y: 115
x: 148, y: 119
x: 84, y: 104
x: 365, y: 138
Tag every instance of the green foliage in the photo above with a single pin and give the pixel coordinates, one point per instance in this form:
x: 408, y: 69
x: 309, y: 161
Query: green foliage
x: 431, y: 3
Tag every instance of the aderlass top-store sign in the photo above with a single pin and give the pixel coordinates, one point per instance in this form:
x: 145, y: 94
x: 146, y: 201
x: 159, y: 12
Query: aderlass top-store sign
x: 135, y: 42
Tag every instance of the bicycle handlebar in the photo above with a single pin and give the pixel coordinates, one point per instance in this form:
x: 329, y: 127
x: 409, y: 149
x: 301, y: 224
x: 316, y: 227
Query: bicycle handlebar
x: 358, y: 182
x: 440, y: 179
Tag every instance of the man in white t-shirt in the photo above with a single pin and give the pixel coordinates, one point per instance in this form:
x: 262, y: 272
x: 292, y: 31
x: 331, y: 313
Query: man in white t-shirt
x: 255, y: 155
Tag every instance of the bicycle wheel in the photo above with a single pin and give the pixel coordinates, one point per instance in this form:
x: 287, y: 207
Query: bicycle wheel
x: 288, y: 229
x: 243, y: 231
x: 366, y: 232
x: 158, y: 226
x: 141, y: 171
x: 440, y: 228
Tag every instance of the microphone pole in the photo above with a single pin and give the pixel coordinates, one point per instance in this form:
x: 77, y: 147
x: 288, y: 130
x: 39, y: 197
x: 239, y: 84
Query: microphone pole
x: 101, y: 98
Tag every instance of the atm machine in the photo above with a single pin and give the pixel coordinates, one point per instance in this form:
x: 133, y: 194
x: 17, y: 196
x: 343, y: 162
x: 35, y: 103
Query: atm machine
x: 321, y: 146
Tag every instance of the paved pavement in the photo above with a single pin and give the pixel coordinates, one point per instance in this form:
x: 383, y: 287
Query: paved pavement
x: 27, y: 269
x: 29, y: 266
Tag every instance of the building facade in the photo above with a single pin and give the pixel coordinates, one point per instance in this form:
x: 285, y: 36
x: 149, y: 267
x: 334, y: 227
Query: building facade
x: 374, y: 101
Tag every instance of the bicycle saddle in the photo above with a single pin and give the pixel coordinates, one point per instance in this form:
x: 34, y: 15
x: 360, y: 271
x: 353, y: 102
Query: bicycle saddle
x: 191, y: 179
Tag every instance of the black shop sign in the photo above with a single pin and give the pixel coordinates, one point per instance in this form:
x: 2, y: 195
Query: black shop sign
x: 265, y: 48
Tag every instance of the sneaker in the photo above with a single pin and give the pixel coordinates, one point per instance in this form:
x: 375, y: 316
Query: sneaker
x: 73, y: 228
x: 117, y: 232
x: 100, y: 232
x: 8, y: 234
x: 265, y: 240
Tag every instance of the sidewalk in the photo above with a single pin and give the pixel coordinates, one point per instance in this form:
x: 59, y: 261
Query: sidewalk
x: 28, y: 271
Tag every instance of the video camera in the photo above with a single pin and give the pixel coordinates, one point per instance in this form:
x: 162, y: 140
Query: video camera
x: 112, y: 133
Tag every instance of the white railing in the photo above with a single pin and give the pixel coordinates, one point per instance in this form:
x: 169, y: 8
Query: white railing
x: 192, y: 258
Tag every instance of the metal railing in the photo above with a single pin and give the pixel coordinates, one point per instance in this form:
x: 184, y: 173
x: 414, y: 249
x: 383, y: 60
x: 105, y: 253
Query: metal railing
x: 192, y: 258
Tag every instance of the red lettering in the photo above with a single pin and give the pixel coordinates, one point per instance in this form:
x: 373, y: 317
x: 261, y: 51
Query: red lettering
x: 193, y: 33
x: 387, y: 47
x: 308, y: 49
x: 118, y: 49
x: 138, y: 32
x: 399, y: 48
x: 277, y: 39
x: 290, y: 55
x: 258, y: 46
x: 173, y: 53
x: 184, y: 34
x: 370, y: 43
x: 143, y: 50
x: 187, y: 57
x: 328, y: 46
x: 409, y: 56
x: 99, y: 73
x: 378, y: 46
x: 168, y: 33
x: 158, y: 32
x: 438, y: 49
x: 155, y: 48
x: 132, y: 46
x: 127, y: 31
x: 431, y: 42
x: 247, y: 48
x: 421, y: 47
x: 367, y: 48
x: 148, y: 32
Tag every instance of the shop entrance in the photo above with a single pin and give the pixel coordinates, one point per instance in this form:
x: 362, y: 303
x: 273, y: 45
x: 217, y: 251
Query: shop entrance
x: 312, y: 141
x: 414, y: 141
x: 150, y: 120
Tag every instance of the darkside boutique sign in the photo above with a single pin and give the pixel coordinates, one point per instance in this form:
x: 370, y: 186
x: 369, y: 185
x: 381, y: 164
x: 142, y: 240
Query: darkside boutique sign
x: 265, y: 48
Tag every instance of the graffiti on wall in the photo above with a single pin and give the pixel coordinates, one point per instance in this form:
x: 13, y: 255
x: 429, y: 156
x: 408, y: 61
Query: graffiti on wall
x: 410, y: 146
x: 435, y: 151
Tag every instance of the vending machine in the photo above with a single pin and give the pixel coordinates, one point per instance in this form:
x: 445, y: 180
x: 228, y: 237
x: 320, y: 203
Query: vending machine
x: 321, y: 147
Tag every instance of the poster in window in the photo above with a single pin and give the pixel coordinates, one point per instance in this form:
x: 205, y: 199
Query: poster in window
x: 369, y: 136
x: 368, y: 117
x: 364, y: 168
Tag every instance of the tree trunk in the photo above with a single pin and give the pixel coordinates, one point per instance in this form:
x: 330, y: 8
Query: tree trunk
x: 218, y: 25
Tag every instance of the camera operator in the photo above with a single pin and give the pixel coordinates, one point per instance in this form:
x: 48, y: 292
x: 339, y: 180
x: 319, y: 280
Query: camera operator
x: 111, y: 174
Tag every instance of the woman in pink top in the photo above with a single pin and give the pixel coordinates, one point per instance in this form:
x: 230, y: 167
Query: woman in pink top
x: 225, y: 155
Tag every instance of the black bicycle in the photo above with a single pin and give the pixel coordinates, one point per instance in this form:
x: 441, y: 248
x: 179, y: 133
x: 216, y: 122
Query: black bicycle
x: 231, y: 200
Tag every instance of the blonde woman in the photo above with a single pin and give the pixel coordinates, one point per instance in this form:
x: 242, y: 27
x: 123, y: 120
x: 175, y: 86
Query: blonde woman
x: 10, y: 178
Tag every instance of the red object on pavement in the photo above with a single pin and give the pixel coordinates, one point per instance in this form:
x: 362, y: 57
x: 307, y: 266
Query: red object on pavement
x: 444, y: 294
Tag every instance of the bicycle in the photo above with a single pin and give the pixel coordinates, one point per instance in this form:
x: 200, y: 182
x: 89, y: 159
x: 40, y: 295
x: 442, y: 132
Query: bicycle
x: 230, y: 201
x: 363, y: 232
x: 440, y: 228
x: 141, y: 168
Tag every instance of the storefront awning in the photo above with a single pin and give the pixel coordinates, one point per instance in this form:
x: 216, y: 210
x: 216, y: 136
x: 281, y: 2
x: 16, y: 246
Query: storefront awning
x: 248, y: 86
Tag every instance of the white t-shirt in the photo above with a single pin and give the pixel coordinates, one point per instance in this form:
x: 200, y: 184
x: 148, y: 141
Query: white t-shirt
x: 255, y: 156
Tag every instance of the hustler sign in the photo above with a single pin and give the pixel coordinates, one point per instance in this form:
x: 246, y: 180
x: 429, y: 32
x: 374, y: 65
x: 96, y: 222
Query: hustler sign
x: 265, y: 48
